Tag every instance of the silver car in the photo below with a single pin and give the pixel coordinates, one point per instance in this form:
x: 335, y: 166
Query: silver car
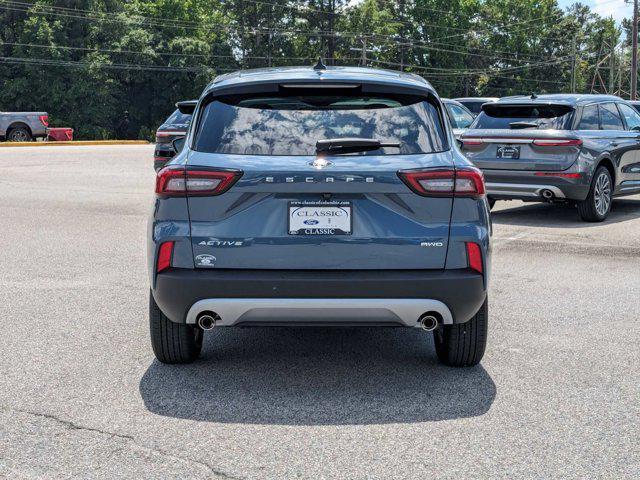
x: 474, y: 104
x: 460, y: 117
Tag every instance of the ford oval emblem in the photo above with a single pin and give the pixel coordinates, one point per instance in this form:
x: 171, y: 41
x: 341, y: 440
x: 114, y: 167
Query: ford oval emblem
x: 311, y: 222
x: 320, y: 163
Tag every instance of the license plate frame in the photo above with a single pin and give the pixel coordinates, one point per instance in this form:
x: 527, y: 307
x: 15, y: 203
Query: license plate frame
x: 508, y: 152
x: 319, y: 224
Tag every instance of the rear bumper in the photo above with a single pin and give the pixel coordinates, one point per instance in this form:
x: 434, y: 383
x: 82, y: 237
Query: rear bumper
x: 514, y: 184
x: 276, y: 297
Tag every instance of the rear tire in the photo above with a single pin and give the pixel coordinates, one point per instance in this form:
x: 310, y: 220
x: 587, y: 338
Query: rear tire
x: 19, y: 134
x: 597, y: 205
x: 492, y: 203
x: 173, y: 342
x: 463, y: 344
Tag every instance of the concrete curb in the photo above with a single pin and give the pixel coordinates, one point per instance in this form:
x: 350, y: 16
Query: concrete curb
x: 74, y: 143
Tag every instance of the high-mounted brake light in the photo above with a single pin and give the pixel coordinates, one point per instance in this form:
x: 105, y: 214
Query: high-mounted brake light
x: 462, y: 182
x: 164, y: 256
x: 178, y: 181
x: 474, y: 256
x: 557, y: 142
x: 44, y: 120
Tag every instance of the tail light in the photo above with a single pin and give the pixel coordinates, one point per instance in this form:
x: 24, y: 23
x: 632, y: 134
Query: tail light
x: 164, y: 256
x: 461, y: 182
x: 472, y: 142
x: 540, y: 142
x: 557, y: 142
x: 171, y: 133
x: 44, y: 119
x: 178, y: 181
x: 474, y: 256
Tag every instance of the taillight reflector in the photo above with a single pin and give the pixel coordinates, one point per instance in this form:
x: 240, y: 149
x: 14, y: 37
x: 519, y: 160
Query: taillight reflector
x: 170, y: 133
x: 164, y: 256
x: 558, y: 174
x: 462, y: 182
x: 474, y: 256
x: 178, y: 181
x: 472, y: 142
x: 44, y: 119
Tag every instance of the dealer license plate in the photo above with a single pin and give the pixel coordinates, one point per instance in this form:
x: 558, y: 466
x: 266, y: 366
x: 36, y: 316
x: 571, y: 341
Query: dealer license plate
x: 320, y: 218
x: 508, y: 151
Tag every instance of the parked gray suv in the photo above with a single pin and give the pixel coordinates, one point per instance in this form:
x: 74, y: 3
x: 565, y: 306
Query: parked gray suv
x: 319, y: 197
x: 583, y: 149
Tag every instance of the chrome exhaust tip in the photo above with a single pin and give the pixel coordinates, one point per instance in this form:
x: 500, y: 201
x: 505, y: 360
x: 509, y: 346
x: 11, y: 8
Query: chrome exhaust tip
x: 428, y: 322
x: 547, y: 194
x: 207, y: 320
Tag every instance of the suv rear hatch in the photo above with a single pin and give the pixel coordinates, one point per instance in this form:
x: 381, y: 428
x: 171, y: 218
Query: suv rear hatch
x: 519, y: 136
x: 175, y: 126
x: 294, y: 203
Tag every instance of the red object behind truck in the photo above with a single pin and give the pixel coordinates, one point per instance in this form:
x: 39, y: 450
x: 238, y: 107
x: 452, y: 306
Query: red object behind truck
x: 60, y: 134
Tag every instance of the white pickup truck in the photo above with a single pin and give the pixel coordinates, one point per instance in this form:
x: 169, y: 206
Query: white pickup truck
x: 23, y: 126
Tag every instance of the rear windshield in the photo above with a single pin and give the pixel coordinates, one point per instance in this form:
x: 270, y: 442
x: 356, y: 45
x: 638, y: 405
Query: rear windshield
x: 178, y: 118
x: 515, y: 117
x: 475, y: 106
x: 292, y: 124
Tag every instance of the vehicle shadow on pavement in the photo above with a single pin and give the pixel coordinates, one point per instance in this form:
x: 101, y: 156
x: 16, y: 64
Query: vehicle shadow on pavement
x: 317, y: 376
x: 546, y: 215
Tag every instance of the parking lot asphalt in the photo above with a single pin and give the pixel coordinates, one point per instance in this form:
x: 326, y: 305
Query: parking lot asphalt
x: 81, y: 396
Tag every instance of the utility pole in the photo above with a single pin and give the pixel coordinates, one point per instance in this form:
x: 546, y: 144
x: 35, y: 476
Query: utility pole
x: 363, y: 51
x: 270, y: 27
x: 401, y: 6
x: 612, y: 64
x: 574, y: 65
x: 331, y: 44
x: 634, y: 53
x: 620, y: 67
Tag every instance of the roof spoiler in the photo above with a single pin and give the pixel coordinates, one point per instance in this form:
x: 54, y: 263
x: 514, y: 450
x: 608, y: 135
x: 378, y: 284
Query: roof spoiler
x: 526, y: 102
x: 187, y: 106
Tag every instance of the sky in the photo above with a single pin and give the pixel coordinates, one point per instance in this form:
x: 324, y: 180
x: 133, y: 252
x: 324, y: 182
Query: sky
x: 607, y: 8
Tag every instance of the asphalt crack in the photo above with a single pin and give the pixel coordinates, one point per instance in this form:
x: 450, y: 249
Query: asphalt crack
x: 70, y: 425
x: 73, y: 426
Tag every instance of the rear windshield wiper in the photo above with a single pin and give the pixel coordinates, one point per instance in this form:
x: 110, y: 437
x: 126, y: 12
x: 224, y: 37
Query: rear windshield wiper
x: 337, y: 146
x: 523, y: 125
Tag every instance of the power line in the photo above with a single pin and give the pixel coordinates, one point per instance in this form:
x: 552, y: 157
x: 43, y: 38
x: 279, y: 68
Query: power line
x: 431, y: 70
x: 90, y: 15
x: 111, y: 66
x: 160, y: 53
x: 412, y: 43
x: 133, y: 66
x: 489, y: 73
x: 393, y: 40
x: 510, y: 25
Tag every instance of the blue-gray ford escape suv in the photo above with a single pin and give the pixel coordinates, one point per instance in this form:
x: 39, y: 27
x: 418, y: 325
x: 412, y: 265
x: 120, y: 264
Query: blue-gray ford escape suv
x: 319, y: 197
